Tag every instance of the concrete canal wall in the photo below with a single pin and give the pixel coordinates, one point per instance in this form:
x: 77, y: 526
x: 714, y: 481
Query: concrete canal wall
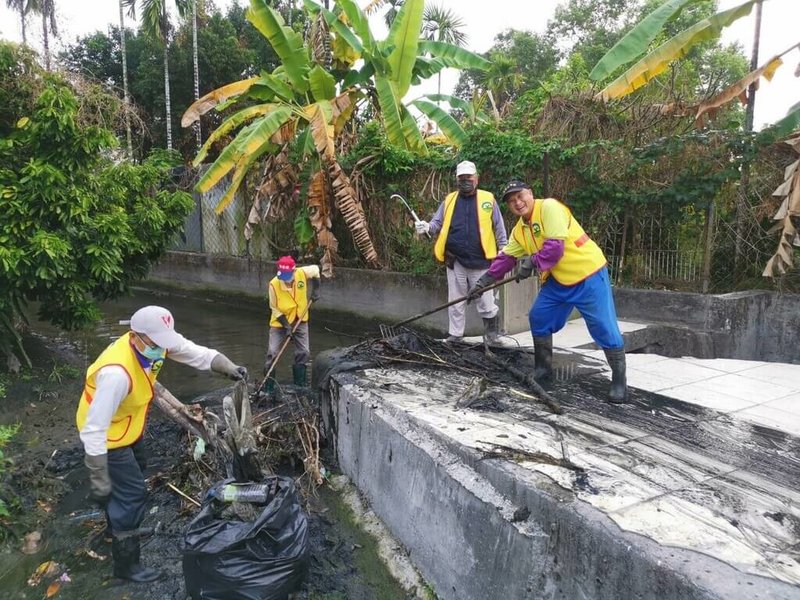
x: 755, y: 325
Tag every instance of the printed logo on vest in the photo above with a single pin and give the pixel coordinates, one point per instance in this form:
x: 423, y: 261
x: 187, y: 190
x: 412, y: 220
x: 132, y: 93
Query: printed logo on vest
x: 156, y: 366
x: 486, y: 206
x: 536, y: 229
x: 301, y: 284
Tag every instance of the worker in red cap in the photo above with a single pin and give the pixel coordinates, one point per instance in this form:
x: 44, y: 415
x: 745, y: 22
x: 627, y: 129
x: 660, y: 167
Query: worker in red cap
x: 291, y: 292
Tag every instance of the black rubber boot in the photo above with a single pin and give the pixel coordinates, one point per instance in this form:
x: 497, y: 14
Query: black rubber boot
x: 299, y: 375
x: 543, y: 353
x: 618, y: 392
x: 491, y: 330
x: 126, y: 554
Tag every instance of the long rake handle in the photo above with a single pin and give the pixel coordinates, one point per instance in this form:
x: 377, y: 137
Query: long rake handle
x: 456, y: 301
x: 282, y: 348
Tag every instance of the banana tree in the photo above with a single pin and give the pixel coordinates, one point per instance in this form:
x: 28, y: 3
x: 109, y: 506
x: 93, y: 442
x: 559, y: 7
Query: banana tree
x: 634, y: 47
x: 312, y: 95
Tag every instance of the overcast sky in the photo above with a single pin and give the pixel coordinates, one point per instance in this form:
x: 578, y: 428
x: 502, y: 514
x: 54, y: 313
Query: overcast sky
x: 483, y: 21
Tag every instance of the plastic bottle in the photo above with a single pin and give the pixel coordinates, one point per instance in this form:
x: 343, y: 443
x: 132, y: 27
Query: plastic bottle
x: 256, y: 493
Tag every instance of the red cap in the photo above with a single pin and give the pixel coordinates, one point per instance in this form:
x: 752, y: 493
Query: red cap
x: 286, y: 267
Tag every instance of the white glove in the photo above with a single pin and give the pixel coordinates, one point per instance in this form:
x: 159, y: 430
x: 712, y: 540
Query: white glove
x: 422, y: 227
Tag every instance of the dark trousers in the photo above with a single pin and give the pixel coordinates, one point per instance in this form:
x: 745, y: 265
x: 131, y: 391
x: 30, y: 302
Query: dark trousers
x: 126, y: 507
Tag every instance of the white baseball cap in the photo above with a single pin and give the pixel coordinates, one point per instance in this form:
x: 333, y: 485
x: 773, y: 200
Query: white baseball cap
x: 156, y: 322
x: 466, y: 167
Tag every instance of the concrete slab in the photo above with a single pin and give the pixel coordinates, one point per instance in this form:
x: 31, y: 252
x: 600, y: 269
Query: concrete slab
x: 693, y: 492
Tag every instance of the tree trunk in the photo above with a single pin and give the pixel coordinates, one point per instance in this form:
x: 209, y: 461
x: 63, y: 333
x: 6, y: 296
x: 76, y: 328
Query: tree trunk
x: 46, y: 41
x: 197, y: 132
x: 126, y: 98
x: 22, y: 24
x: 742, y: 206
x: 167, y: 105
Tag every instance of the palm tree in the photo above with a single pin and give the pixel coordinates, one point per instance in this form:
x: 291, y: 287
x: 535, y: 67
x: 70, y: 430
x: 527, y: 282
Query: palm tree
x: 440, y: 24
x: 126, y: 97
x: 197, y: 132
x: 20, y: 6
x: 156, y: 24
x: 47, y: 10
x: 391, y: 14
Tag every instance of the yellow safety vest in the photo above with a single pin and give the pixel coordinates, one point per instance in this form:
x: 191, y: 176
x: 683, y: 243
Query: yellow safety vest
x: 582, y: 256
x: 292, y: 302
x: 485, y: 201
x: 127, y: 424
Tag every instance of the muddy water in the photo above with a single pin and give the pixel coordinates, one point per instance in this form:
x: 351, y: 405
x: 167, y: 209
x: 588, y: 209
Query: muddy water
x: 236, y: 327
x: 45, y: 407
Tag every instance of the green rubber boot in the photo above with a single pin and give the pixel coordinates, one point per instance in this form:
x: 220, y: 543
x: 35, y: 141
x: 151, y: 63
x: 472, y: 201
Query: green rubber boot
x: 299, y: 375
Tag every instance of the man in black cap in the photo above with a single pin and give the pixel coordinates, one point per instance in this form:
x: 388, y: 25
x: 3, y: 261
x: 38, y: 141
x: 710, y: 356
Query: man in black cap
x: 573, y: 272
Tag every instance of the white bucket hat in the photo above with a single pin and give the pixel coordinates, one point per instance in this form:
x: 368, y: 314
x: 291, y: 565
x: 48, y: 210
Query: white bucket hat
x: 466, y: 167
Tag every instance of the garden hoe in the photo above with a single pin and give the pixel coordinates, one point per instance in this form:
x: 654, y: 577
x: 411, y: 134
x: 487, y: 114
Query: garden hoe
x: 411, y: 210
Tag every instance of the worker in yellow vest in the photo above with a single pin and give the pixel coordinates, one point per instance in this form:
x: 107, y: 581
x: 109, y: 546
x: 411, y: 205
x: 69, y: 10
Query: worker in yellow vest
x: 290, y: 293
x: 470, y: 230
x: 573, y: 272
x: 111, y: 418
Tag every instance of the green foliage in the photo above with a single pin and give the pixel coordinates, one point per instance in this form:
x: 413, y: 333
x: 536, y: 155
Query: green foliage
x: 76, y: 227
x: 6, y: 433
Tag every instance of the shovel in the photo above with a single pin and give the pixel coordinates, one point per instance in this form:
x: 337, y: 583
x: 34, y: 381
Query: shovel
x: 283, y: 347
x: 411, y: 210
x: 389, y: 331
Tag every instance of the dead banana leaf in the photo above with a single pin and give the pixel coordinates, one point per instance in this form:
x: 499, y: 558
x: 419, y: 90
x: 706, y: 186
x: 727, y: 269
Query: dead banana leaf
x: 737, y: 90
x: 215, y: 97
x: 352, y: 211
x: 319, y: 214
x: 789, y: 190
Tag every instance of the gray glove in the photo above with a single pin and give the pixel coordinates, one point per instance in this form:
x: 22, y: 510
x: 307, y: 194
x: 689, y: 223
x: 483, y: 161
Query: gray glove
x: 287, y: 326
x: 477, y: 290
x: 224, y: 366
x: 525, y: 268
x: 99, y: 479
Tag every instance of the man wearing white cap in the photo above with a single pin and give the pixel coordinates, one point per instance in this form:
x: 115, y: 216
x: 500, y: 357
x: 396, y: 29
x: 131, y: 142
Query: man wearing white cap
x: 470, y: 230
x: 111, y: 418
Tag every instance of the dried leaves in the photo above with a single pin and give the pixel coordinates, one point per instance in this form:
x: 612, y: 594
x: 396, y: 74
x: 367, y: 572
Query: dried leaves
x: 789, y: 211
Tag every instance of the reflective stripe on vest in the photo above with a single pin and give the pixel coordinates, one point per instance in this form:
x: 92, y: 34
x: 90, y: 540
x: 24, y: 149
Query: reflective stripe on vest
x: 582, y: 256
x: 292, y: 302
x: 485, y: 201
x: 127, y: 424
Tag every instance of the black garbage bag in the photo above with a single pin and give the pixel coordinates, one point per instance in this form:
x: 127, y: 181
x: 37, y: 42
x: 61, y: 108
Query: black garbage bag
x: 265, y: 559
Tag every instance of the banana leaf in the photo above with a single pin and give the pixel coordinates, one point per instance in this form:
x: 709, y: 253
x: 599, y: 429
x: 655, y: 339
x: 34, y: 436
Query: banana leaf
x: 404, y: 35
x: 303, y: 231
x: 213, y: 98
x: 453, y: 56
x: 249, y: 140
x: 425, y: 68
x: 319, y: 116
x: 359, y: 22
x: 788, y: 124
x: 323, y: 85
x: 277, y: 86
x: 230, y: 124
x: 657, y: 61
x: 411, y: 132
x: 455, y: 102
x: 446, y: 123
x: 239, y: 173
x: 363, y: 75
x: 342, y: 30
x: 636, y: 41
x: 390, y: 110
x: 287, y: 43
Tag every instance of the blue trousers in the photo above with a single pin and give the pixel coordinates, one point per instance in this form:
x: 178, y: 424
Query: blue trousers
x: 126, y: 506
x: 593, y: 299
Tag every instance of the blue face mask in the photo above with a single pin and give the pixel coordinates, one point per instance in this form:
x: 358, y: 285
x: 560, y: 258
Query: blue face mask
x: 153, y: 354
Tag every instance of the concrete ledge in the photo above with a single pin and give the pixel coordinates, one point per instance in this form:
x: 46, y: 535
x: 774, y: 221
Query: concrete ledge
x: 480, y: 528
x: 384, y: 295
